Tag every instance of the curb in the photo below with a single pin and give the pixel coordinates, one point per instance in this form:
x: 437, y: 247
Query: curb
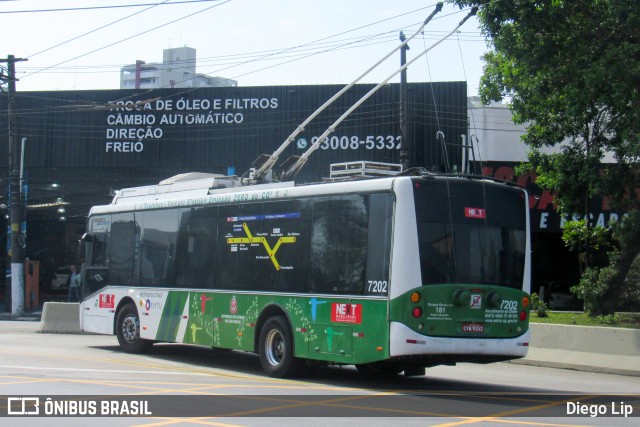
x: 584, y: 348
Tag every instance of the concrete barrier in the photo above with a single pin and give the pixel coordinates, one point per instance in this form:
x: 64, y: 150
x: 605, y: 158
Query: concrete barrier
x: 60, y: 318
x: 585, y: 348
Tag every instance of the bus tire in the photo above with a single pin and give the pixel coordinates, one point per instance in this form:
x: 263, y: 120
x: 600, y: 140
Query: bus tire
x: 128, y: 331
x: 276, y: 349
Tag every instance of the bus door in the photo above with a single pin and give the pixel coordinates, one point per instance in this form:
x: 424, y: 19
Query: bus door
x: 96, y: 264
x: 96, y: 269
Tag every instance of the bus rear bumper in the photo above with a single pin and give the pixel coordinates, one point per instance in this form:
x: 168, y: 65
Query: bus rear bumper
x: 406, y: 342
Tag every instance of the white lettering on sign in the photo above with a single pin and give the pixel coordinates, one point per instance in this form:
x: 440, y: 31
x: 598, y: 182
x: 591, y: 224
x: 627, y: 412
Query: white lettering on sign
x: 479, y: 213
x: 370, y: 142
x: 346, y: 313
x: 134, y: 122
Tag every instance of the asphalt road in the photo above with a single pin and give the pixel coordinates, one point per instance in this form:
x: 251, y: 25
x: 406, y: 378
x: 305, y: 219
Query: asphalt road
x: 185, y: 385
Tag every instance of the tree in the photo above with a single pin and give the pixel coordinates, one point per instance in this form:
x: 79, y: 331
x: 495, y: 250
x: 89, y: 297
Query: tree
x: 572, y: 72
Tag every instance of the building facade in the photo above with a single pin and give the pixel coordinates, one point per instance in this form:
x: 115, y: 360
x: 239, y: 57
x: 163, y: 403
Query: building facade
x: 177, y: 70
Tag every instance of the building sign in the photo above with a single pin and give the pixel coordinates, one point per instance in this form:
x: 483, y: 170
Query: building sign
x: 542, y: 210
x: 145, y: 132
x: 132, y: 123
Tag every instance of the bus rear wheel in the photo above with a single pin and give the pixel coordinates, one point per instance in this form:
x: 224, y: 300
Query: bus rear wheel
x: 276, y: 349
x: 128, y: 331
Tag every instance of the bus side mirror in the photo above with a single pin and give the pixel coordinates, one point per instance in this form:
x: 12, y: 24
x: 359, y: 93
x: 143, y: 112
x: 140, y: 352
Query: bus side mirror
x: 87, y: 239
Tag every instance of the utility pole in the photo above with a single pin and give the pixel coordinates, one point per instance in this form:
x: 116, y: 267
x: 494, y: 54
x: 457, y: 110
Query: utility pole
x: 405, y: 152
x: 15, y: 193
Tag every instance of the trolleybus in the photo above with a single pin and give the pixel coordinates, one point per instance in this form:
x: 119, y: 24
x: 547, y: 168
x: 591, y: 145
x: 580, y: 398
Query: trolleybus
x: 390, y: 274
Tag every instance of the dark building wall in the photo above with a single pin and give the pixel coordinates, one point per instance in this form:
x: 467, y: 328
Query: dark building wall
x: 214, y: 128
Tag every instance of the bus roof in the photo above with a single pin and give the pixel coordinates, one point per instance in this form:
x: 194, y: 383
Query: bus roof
x: 205, y: 189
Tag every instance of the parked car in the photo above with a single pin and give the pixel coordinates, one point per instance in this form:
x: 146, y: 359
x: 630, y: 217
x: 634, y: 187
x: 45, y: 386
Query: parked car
x: 60, y: 277
x: 558, y: 296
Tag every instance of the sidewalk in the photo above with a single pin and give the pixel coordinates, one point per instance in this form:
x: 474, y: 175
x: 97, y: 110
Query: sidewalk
x: 32, y: 316
x: 582, y: 361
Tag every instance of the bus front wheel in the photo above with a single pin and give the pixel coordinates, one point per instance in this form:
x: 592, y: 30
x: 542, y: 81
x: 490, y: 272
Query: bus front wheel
x: 128, y: 331
x: 276, y: 349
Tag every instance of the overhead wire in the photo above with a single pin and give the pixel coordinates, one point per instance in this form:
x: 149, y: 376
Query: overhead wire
x: 321, y: 41
x: 261, y: 58
x: 74, y: 9
x: 281, y: 51
x: 381, y: 38
x: 152, y: 29
x: 130, y: 37
x: 96, y: 29
x: 287, y: 49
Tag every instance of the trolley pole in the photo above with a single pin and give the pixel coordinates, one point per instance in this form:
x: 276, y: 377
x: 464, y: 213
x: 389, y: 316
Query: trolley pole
x: 405, y: 151
x: 15, y: 193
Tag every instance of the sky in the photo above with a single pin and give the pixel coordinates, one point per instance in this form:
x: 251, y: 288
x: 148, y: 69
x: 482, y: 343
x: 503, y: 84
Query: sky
x: 256, y: 42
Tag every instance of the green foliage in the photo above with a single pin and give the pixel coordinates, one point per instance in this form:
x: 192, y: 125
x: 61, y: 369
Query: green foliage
x: 577, y: 235
x: 609, y: 319
x: 631, y: 292
x: 571, y: 71
x: 619, y: 320
x: 592, y: 289
x: 539, y: 306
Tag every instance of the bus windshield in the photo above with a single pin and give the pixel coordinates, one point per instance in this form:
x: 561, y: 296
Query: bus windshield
x: 470, y: 232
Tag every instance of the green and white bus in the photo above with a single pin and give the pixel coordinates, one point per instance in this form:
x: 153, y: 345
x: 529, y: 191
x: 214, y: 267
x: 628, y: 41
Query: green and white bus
x: 389, y: 274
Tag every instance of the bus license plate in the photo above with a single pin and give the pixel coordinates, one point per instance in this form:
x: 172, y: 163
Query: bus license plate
x: 472, y: 327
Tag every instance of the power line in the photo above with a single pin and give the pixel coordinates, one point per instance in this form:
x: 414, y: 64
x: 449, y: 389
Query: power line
x: 389, y: 36
x: 120, y: 6
x: 306, y: 44
x: 97, y: 29
x: 130, y: 37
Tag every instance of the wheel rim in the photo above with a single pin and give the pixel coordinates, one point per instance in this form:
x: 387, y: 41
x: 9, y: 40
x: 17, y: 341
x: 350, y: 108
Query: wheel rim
x: 130, y: 328
x: 274, y: 347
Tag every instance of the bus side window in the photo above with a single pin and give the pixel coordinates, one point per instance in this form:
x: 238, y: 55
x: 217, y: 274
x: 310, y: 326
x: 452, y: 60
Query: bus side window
x: 237, y: 265
x: 339, y: 236
x: 125, y: 233
x: 286, y: 228
x: 157, y: 252
x: 379, y: 244
x: 196, y: 248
